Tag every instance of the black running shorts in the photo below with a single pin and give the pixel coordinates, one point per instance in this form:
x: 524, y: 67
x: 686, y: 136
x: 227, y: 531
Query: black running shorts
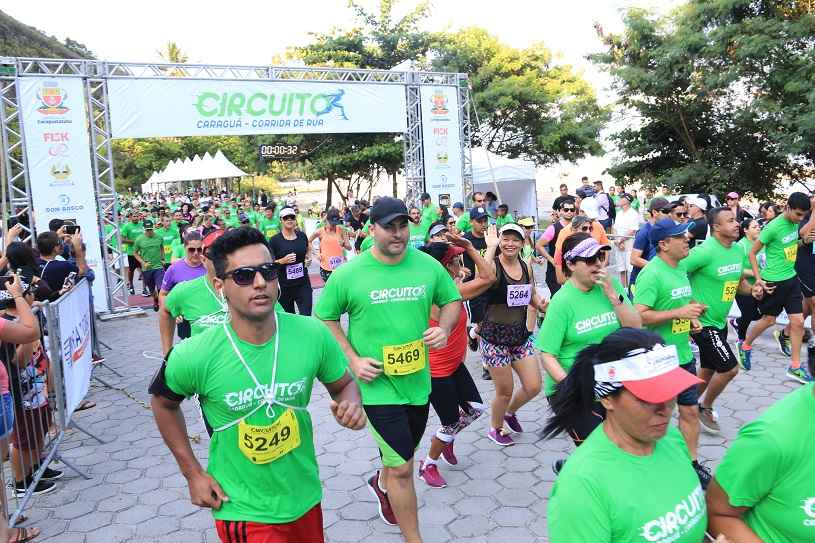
x: 786, y: 297
x: 397, y: 430
x: 714, y: 352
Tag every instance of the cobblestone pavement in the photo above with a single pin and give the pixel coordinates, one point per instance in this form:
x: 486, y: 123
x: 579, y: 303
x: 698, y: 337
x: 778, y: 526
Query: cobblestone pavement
x: 137, y: 494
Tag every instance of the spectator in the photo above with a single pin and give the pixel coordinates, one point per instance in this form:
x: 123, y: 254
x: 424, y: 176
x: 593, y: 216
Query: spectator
x: 606, y: 212
x: 546, y: 245
x: 491, y: 203
x: 564, y: 195
x: 697, y: 209
x: 56, y: 269
x: 733, y: 201
x: 503, y: 216
x: 626, y: 226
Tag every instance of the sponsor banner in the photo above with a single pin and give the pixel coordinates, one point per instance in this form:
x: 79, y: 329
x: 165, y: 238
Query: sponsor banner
x: 442, y: 144
x: 74, y: 318
x: 141, y: 108
x: 57, y: 143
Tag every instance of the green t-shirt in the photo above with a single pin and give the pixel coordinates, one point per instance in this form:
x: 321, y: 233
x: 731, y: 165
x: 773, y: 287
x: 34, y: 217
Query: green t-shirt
x: 149, y: 249
x: 388, y: 305
x: 575, y: 320
x: 367, y: 243
x: 197, y: 302
x: 269, y: 227
x: 418, y: 235
x: 285, y: 489
x: 463, y: 223
x: 663, y: 288
x: 130, y: 230
x: 769, y: 468
x: 506, y: 219
x: 715, y: 274
x: 780, y: 239
x: 168, y: 238
x: 232, y: 222
x: 177, y: 250
x: 607, y: 495
x: 430, y: 214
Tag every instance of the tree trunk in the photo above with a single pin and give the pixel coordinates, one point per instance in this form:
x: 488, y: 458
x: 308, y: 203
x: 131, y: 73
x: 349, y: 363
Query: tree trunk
x: 394, y: 185
x: 329, y: 191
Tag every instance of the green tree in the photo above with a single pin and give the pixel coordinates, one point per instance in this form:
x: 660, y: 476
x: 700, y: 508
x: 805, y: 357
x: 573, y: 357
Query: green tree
x: 172, y: 53
x: 718, y: 94
x: 527, y: 105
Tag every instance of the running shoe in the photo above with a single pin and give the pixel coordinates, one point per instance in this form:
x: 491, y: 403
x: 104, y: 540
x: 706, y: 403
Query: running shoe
x: 800, y: 375
x: 499, y: 437
x: 745, y: 356
x: 385, y: 510
x: 703, y: 473
x: 558, y: 464
x: 18, y: 488
x: 145, y: 292
x: 131, y: 290
x: 448, y: 454
x: 512, y: 422
x: 431, y: 475
x: 783, y: 342
x: 709, y: 419
x: 51, y: 474
x: 485, y: 374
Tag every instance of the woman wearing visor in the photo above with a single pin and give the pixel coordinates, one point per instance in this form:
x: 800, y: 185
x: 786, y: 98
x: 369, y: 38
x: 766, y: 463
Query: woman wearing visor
x: 590, y: 305
x: 632, y: 479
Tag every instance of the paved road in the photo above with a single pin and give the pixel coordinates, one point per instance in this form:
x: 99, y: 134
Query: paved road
x: 137, y: 494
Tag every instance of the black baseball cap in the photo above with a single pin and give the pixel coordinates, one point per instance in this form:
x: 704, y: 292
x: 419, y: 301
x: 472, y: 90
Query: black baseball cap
x: 425, y: 196
x: 477, y: 213
x: 386, y: 209
x: 148, y: 224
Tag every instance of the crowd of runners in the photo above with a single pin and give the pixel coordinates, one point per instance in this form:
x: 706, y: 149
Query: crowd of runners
x: 409, y: 289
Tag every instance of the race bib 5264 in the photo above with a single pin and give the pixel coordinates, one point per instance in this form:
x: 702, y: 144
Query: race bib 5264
x: 264, y: 444
x: 404, y: 359
x: 518, y: 295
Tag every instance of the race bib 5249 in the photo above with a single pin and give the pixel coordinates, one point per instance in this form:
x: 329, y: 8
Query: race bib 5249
x: 264, y: 444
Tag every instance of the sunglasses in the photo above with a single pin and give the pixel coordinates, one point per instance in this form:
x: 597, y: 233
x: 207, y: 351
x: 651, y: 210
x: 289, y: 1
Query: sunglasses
x: 681, y: 215
x: 451, y: 223
x: 592, y: 260
x: 585, y: 228
x: 289, y: 218
x: 193, y: 250
x: 245, y: 275
x: 568, y: 209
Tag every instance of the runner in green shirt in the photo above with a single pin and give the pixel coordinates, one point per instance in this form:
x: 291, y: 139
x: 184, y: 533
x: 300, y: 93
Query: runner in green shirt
x: 418, y: 230
x: 148, y: 250
x: 169, y: 236
x: 262, y: 468
x: 634, y: 453
x: 129, y: 231
x: 763, y: 487
x: 748, y: 306
x: 503, y: 216
x: 387, y: 293
x: 269, y: 223
x: 715, y: 270
x: 782, y: 291
x: 663, y: 298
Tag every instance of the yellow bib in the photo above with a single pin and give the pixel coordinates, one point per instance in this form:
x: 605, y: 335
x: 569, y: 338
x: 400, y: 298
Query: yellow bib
x: 264, y: 444
x: 730, y: 290
x: 404, y: 359
x: 791, y: 252
x: 680, y: 326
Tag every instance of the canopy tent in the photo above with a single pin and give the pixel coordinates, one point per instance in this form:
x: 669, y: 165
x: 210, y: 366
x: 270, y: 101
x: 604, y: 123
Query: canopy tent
x: 515, y: 180
x: 195, y: 169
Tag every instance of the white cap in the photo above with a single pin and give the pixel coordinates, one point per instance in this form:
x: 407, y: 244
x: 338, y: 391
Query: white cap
x: 698, y: 202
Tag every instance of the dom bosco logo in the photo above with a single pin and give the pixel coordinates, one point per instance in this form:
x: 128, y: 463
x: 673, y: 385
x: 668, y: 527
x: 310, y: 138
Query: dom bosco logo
x: 64, y: 205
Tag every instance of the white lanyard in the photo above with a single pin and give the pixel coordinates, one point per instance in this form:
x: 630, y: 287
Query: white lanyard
x: 269, y: 399
x: 218, y: 299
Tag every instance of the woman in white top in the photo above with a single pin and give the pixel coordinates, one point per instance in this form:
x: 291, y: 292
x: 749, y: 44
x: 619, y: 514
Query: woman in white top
x: 626, y: 224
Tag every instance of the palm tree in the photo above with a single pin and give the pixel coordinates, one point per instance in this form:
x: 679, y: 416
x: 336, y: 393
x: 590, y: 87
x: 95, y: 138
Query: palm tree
x: 174, y: 55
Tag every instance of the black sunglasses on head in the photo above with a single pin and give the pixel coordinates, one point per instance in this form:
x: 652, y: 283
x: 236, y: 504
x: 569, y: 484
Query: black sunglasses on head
x: 245, y: 275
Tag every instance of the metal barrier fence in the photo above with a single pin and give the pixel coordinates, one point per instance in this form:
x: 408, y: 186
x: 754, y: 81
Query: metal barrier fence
x: 39, y: 402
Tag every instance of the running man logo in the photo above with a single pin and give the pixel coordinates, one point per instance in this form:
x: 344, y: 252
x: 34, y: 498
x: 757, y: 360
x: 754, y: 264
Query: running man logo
x: 677, y: 522
x: 400, y: 294
x: 259, y: 104
x: 809, y: 510
x: 53, y: 99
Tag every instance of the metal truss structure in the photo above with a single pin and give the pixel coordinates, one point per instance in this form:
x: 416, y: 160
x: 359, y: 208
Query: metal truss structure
x: 16, y: 189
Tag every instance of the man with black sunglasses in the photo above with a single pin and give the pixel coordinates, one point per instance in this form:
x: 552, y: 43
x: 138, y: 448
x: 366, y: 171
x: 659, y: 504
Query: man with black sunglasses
x: 262, y: 481
x: 564, y: 210
x: 189, y: 268
x: 388, y: 293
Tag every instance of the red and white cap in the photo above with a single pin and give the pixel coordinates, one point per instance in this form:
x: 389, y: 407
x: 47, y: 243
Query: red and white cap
x: 652, y: 376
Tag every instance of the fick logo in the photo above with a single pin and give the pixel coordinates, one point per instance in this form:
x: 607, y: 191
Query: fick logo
x: 53, y: 99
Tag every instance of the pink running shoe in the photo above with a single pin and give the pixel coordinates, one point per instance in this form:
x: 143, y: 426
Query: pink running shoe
x: 512, y: 422
x: 500, y: 438
x: 448, y: 454
x: 431, y: 475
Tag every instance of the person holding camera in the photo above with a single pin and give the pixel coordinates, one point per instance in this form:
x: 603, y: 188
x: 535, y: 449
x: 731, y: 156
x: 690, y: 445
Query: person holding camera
x: 56, y: 270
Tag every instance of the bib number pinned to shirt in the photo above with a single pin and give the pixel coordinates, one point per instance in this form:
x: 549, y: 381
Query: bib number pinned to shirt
x: 791, y: 252
x: 518, y: 295
x: 680, y: 326
x: 264, y: 444
x: 729, y: 291
x: 335, y: 262
x: 404, y: 359
x: 294, y: 271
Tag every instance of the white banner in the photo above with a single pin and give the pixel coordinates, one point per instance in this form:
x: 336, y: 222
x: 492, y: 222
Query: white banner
x: 442, y: 145
x: 55, y: 123
x: 74, y: 318
x: 142, y: 108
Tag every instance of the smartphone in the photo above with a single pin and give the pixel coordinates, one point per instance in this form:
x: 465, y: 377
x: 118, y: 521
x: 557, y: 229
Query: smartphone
x: 69, y: 281
x: 72, y: 229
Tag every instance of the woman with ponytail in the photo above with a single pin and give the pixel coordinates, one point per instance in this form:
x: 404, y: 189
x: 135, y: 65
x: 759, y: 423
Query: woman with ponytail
x: 632, y: 478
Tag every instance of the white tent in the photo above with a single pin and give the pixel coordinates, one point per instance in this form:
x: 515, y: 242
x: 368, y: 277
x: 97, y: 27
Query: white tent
x: 197, y: 168
x: 514, y: 178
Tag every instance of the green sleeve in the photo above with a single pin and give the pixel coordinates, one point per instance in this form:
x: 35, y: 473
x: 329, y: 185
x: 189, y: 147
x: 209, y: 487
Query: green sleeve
x: 181, y: 373
x: 137, y: 245
x: 697, y: 258
x: 172, y: 301
x: 646, y: 292
x: 332, y: 302
x: 334, y: 363
x: 750, y: 467
x: 553, y: 330
x: 768, y: 233
x: 463, y: 223
x: 577, y: 513
x: 446, y: 290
